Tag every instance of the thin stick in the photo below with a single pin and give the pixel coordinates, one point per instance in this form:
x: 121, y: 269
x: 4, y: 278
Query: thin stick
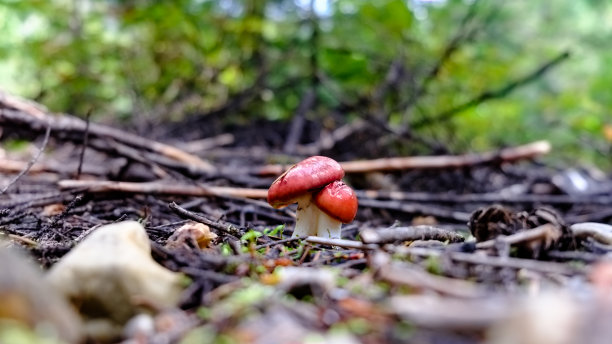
x: 161, y: 188
x: 85, y: 139
x: 223, y: 227
x: 31, y: 163
x: 522, y: 236
x: 527, y: 151
x: 35, y: 116
x: 409, y: 233
x: 340, y: 243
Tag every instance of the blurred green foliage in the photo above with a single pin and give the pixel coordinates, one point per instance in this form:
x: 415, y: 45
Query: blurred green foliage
x: 165, y: 60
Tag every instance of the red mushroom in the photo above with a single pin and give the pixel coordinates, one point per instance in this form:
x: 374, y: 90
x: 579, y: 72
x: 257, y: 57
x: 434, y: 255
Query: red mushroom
x: 338, y: 203
x: 298, y: 184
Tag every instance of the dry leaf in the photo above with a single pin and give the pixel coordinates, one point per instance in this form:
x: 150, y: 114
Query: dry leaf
x: 197, y: 232
x: 53, y: 209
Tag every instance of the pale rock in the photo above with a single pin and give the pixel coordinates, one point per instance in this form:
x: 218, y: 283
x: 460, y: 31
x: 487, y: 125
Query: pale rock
x: 110, y: 275
x: 27, y: 300
x: 552, y: 318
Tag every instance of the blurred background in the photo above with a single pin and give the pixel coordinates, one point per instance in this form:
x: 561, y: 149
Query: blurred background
x: 376, y: 78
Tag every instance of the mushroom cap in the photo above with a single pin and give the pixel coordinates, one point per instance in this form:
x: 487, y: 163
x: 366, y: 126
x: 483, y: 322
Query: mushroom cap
x: 307, y: 176
x: 337, y: 200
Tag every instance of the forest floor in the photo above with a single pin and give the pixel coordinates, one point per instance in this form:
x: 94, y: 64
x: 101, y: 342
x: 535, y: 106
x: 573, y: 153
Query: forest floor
x: 484, y: 247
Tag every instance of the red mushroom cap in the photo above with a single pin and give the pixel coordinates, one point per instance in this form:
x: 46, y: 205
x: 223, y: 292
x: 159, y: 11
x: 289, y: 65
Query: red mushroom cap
x: 337, y: 200
x: 305, y: 177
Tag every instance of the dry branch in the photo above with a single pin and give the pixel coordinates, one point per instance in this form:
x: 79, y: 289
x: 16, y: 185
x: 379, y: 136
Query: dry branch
x: 17, y: 111
x: 161, y: 188
x: 600, y: 232
x: 527, y: 151
x: 165, y: 188
x: 387, y: 235
x: 340, y: 243
x: 529, y: 235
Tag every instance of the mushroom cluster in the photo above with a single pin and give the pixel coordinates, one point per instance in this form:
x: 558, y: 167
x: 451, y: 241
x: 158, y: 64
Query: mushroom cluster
x: 324, y: 201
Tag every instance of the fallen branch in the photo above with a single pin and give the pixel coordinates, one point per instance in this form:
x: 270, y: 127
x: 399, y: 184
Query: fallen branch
x: 17, y: 111
x: 165, y: 188
x: 340, y: 243
x: 542, y: 233
x: 600, y: 232
x: 161, y: 188
x: 527, y: 151
x: 411, y: 233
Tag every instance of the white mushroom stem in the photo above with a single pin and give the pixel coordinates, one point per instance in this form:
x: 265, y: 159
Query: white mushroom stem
x: 328, y: 226
x: 307, y: 217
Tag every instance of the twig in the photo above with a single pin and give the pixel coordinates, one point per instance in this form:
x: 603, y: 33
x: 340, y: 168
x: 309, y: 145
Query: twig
x: 161, y: 188
x: 340, y: 243
x: 226, y: 228
x: 31, y: 163
x: 537, y: 233
x: 24, y: 105
x: 599, y: 231
x: 65, y: 125
x: 85, y: 139
x: 527, y: 151
x: 492, y: 94
x: 411, y: 233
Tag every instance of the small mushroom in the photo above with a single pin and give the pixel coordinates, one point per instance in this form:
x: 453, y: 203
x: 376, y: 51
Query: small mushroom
x: 301, y: 183
x: 338, y: 203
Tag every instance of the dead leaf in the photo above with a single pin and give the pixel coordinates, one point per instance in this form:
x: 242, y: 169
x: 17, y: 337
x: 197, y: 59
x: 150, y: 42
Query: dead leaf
x: 197, y: 232
x: 53, y: 209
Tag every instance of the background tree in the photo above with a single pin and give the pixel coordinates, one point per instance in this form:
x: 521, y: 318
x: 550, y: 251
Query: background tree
x: 426, y: 76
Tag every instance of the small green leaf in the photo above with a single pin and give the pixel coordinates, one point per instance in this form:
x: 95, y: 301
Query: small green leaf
x: 251, y: 236
x: 274, y: 231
